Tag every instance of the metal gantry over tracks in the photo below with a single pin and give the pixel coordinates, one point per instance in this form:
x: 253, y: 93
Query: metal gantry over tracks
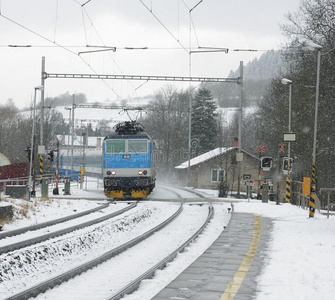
x: 141, y: 77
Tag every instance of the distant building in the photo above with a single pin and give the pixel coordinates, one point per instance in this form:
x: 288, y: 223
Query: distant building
x: 4, y: 161
x: 12, y: 171
x: 209, y: 169
x: 79, y: 142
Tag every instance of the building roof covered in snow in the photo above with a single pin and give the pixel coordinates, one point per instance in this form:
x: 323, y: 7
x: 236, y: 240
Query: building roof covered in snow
x: 207, y: 156
x: 4, y: 161
x: 203, y: 157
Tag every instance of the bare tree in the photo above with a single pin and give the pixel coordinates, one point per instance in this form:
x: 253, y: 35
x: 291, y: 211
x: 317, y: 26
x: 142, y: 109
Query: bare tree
x: 167, y: 123
x: 15, y: 133
x: 313, y: 22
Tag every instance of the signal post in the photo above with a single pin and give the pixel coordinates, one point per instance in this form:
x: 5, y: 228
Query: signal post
x: 261, y: 149
x: 289, y: 137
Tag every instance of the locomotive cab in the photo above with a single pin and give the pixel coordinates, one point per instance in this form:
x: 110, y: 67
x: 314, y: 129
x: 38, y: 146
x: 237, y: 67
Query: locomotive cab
x: 128, y: 169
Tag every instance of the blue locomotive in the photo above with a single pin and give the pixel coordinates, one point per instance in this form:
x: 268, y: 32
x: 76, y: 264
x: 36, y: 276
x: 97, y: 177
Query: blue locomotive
x: 128, y: 168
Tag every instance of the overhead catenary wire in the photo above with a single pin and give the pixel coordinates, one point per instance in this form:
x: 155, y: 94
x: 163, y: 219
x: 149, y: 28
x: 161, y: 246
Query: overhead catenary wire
x: 160, y: 22
x: 67, y: 47
x: 101, y: 40
x: 54, y: 39
x: 86, y: 2
x: 215, y: 49
x: 56, y: 21
x: 191, y: 19
x: 58, y: 45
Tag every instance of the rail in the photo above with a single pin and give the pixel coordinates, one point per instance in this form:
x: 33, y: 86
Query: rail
x: 50, y: 223
x: 32, y: 241
x: 134, y: 285
x: 57, y: 280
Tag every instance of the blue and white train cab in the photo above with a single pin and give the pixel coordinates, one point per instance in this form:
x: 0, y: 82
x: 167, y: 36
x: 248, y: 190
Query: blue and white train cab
x: 128, y: 168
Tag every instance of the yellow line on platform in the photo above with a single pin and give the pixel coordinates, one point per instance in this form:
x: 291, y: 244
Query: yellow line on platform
x: 238, y: 278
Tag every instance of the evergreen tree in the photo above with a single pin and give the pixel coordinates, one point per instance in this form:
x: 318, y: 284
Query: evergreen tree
x: 204, y: 123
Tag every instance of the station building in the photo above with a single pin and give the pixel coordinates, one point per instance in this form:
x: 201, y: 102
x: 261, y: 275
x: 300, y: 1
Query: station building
x: 225, y: 165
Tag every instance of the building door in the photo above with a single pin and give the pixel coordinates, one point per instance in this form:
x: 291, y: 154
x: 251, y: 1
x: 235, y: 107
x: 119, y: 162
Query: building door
x: 194, y: 179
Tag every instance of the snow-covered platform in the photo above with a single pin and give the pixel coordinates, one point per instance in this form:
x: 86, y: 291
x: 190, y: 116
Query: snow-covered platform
x: 233, y: 255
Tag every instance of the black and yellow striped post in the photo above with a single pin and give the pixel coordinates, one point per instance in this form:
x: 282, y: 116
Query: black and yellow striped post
x: 41, y: 164
x: 288, y: 187
x: 312, y: 194
x: 80, y: 174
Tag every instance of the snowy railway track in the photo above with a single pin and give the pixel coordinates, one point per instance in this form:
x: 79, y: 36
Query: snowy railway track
x: 57, y: 280
x: 50, y: 223
x: 51, y: 235
x: 134, y: 285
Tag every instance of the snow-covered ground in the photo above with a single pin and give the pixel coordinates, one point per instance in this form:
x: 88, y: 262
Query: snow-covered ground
x: 300, y: 260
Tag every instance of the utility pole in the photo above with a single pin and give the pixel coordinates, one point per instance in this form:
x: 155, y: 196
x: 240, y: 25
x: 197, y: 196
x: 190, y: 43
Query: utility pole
x: 240, y: 154
x: 281, y: 150
x: 41, y: 151
x: 72, y: 132
x: 42, y: 100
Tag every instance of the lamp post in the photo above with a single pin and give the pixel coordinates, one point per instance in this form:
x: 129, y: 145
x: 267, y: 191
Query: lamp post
x: 40, y: 87
x: 288, y: 181
x: 68, y: 142
x: 313, y: 47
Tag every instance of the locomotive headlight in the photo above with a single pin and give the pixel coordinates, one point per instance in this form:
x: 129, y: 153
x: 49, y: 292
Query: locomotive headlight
x: 113, y: 172
x: 140, y: 172
x: 109, y: 172
x: 145, y: 172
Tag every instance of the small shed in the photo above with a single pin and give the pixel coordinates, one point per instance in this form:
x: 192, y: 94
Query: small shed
x: 221, y: 165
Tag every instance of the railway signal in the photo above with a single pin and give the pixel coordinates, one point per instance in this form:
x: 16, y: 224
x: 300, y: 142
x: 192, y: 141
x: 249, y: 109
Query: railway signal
x: 285, y: 164
x: 261, y: 149
x: 51, y: 155
x: 28, y: 150
x: 266, y: 162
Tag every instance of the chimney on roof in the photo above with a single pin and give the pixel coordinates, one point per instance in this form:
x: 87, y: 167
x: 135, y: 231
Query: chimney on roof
x: 235, y: 142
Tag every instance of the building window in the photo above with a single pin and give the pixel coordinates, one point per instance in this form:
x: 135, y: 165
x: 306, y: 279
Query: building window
x: 233, y: 160
x: 217, y: 175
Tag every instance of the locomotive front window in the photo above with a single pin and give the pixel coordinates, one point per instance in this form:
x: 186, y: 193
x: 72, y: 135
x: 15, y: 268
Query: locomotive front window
x: 115, y: 146
x: 137, y: 146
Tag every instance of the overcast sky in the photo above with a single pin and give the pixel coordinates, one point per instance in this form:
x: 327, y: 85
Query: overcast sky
x: 60, y: 29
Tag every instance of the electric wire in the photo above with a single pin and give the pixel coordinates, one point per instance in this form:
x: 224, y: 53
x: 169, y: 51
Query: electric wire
x: 85, y: 3
x: 191, y: 19
x: 58, y: 45
x: 160, y: 22
x: 84, y: 13
x: 215, y: 49
x: 36, y: 33
x: 56, y: 21
x: 103, y: 44
x: 195, y: 32
x: 83, y: 19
